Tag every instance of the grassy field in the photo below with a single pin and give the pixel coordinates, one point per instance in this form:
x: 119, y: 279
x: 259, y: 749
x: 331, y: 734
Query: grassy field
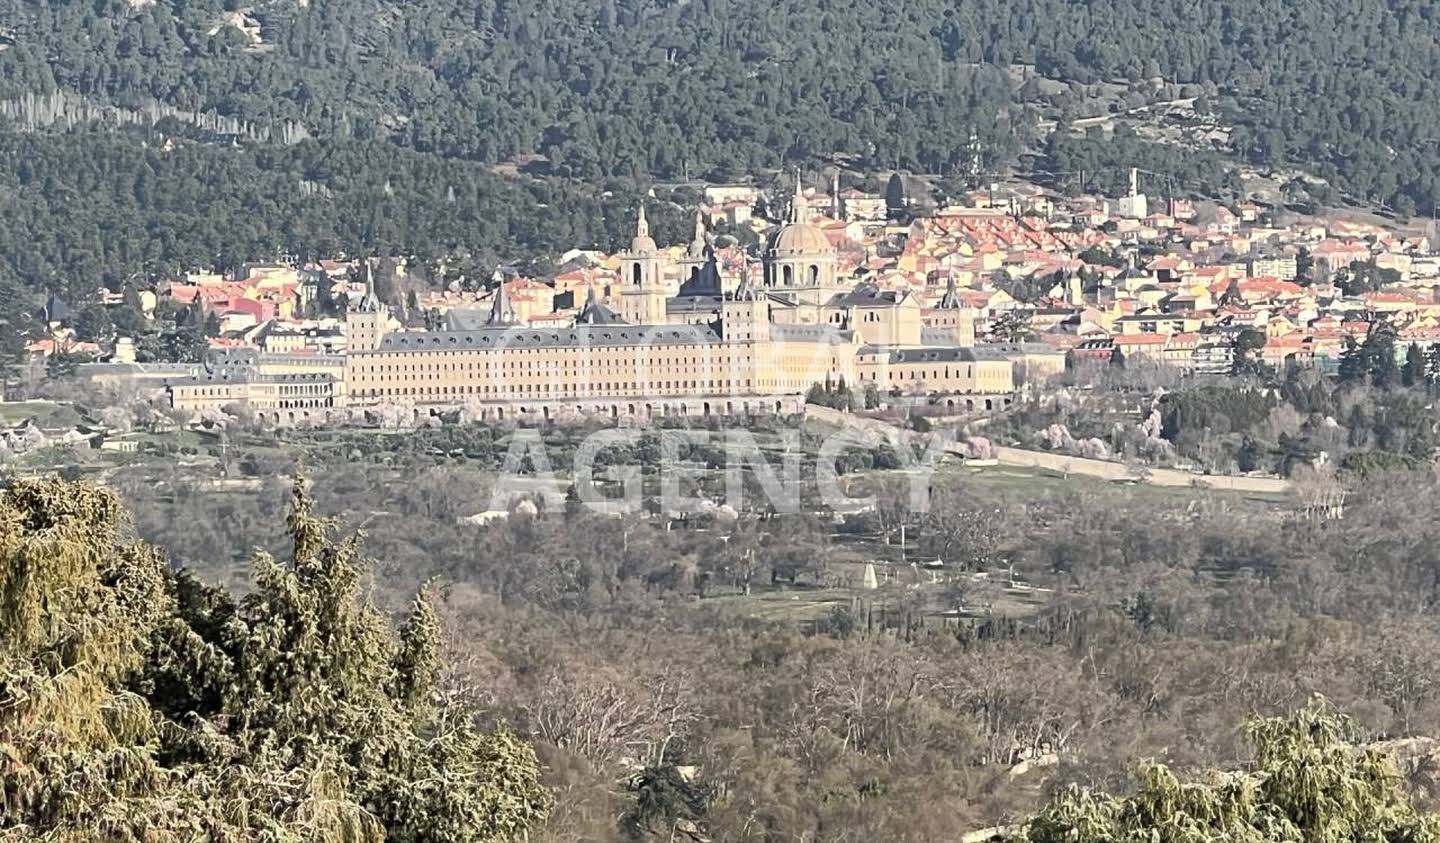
x: 15, y: 412
x: 1028, y: 480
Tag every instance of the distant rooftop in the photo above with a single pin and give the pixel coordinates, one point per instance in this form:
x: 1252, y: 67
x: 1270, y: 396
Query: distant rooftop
x: 618, y: 334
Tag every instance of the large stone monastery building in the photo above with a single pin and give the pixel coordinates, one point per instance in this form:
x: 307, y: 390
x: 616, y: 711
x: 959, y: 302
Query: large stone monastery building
x: 758, y: 347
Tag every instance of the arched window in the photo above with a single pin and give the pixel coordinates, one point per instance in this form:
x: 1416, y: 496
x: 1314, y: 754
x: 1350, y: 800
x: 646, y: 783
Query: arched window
x: 788, y: 274
x: 814, y: 275
x: 636, y: 274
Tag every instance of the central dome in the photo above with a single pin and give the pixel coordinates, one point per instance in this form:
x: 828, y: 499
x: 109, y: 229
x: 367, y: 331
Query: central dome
x: 800, y: 238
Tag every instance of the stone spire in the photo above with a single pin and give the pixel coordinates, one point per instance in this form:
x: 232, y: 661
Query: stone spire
x: 699, y: 244
x: 369, y: 303
x: 502, y: 311
x: 799, y: 208
x: 642, y: 225
x: 951, y: 299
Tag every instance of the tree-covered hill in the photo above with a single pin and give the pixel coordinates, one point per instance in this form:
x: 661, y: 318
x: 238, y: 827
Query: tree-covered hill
x: 617, y: 93
x: 657, y: 87
x: 89, y: 208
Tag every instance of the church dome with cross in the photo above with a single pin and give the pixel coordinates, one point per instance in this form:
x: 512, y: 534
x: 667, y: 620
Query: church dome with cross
x: 800, y: 256
x: 798, y: 236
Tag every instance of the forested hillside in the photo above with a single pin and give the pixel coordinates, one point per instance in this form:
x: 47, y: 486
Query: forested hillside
x: 647, y: 87
x: 91, y: 208
x: 620, y: 92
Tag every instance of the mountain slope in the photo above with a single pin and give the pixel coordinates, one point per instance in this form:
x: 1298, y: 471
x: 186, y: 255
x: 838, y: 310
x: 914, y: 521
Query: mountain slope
x: 643, y: 87
x: 613, y: 94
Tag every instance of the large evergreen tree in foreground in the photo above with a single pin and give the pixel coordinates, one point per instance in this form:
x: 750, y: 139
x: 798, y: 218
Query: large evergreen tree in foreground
x: 138, y: 704
x: 1308, y: 784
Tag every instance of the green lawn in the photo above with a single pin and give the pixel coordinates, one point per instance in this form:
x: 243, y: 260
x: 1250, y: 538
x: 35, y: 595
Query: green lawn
x: 1030, y: 480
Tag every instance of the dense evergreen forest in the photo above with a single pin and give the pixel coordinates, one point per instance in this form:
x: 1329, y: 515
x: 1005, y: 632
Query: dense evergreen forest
x: 96, y: 208
x: 414, y: 111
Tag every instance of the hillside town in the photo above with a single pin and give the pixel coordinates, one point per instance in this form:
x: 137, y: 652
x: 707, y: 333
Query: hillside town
x: 969, y: 304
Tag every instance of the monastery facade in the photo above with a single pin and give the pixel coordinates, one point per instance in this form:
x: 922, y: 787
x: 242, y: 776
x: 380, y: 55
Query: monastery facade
x: 758, y: 347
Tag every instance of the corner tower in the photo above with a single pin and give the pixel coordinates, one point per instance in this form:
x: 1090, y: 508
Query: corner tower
x: 745, y: 314
x: 366, y: 324
x: 952, y: 318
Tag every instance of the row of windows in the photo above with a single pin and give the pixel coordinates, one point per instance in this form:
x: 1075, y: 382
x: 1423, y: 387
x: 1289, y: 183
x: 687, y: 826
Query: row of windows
x: 220, y: 401
x: 516, y: 365
x: 543, y: 369
x: 210, y: 391
x: 305, y: 389
x: 935, y: 374
x: 535, y: 390
x: 430, y: 346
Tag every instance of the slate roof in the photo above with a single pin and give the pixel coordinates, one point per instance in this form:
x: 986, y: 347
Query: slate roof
x: 692, y: 304
x: 595, y: 313
x: 830, y: 334
x: 582, y: 335
x: 867, y: 295
x: 951, y: 300
x: 252, y: 376
x: 952, y: 354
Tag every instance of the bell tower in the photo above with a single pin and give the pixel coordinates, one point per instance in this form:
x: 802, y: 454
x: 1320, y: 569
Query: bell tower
x: 642, y: 278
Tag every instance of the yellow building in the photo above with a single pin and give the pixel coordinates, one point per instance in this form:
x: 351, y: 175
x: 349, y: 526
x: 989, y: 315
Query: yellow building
x: 604, y: 364
x: 924, y: 371
x: 281, y: 398
x: 756, y: 348
x: 705, y: 351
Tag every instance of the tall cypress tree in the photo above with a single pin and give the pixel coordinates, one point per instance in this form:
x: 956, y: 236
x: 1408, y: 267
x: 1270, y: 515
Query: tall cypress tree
x: 896, y: 204
x: 1414, y: 372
